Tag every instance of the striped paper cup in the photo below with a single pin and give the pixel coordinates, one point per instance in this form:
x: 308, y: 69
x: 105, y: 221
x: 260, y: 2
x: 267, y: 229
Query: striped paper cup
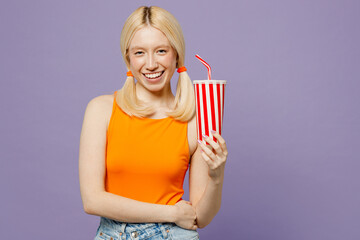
x: 209, y: 102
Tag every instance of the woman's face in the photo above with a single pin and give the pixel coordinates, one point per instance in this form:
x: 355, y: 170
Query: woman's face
x: 152, y: 59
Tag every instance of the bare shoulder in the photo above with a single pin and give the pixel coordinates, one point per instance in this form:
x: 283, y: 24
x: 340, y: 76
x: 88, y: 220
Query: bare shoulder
x: 101, y: 106
x: 192, y: 135
x: 102, y: 100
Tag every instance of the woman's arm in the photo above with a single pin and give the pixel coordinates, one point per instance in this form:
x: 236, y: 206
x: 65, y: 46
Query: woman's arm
x: 96, y: 200
x: 206, y: 180
x: 123, y: 209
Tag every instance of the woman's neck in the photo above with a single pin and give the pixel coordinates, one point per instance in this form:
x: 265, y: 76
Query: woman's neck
x: 161, y: 99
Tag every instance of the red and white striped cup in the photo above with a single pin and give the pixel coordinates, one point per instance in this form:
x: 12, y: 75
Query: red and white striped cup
x: 209, y: 102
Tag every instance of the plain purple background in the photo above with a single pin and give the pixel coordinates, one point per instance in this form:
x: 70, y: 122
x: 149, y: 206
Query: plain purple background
x: 291, y: 120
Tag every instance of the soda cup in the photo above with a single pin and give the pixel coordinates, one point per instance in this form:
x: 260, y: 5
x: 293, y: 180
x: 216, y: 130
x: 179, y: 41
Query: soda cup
x: 209, y: 102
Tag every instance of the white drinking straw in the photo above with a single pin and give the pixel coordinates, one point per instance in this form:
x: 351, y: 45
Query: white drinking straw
x: 206, y: 65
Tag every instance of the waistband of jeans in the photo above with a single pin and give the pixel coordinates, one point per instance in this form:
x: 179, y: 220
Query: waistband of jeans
x: 129, y: 227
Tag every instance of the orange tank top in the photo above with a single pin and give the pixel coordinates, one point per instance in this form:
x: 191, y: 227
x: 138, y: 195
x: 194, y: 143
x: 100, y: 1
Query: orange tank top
x: 146, y: 159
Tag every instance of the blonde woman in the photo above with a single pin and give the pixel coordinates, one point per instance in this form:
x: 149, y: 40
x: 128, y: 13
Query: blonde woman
x: 137, y: 144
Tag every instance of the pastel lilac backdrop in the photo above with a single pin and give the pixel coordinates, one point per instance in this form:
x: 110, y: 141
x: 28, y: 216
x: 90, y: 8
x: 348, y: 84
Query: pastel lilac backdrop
x: 291, y: 119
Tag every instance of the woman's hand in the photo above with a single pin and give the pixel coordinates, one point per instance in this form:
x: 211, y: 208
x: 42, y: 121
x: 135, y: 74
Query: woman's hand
x: 214, y: 155
x: 185, y: 215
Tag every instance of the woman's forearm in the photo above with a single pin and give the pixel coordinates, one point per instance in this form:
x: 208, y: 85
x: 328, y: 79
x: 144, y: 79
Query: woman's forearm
x: 124, y: 209
x: 210, y: 202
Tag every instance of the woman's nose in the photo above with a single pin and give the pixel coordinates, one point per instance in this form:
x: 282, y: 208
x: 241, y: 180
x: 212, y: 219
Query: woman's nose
x: 151, y: 62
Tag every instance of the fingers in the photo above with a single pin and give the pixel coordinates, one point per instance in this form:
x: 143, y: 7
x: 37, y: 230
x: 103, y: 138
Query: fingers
x: 208, y: 160
x: 219, y: 146
x: 221, y: 141
x: 213, y: 144
x: 206, y: 150
x: 187, y: 202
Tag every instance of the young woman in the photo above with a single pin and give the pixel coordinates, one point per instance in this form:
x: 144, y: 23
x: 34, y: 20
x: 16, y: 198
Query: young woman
x: 137, y: 144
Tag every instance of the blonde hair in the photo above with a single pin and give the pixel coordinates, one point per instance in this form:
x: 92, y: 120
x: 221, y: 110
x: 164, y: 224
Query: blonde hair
x: 184, y: 105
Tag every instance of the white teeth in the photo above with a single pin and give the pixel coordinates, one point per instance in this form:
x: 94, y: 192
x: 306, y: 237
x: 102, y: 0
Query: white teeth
x: 154, y: 75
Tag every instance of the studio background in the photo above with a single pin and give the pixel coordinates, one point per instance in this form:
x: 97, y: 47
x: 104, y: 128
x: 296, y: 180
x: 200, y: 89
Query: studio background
x: 291, y: 118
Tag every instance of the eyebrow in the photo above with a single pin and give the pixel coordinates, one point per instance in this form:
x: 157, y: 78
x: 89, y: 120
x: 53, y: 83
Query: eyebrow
x: 160, y: 46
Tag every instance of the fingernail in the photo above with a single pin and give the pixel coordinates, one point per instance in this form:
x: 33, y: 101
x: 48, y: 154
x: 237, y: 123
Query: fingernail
x: 205, y: 136
x: 213, y: 131
x: 199, y: 141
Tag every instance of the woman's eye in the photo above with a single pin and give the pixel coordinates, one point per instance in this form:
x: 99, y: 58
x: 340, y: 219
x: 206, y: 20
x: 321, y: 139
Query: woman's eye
x: 162, y: 51
x: 138, y: 52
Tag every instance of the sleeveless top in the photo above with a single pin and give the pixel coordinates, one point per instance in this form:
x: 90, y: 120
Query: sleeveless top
x: 146, y: 159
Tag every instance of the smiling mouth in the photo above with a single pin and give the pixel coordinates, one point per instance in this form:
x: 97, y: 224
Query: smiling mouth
x: 153, y: 75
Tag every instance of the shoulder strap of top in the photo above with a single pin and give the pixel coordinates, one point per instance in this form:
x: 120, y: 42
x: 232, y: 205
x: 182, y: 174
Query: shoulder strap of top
x: 114, y: 103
